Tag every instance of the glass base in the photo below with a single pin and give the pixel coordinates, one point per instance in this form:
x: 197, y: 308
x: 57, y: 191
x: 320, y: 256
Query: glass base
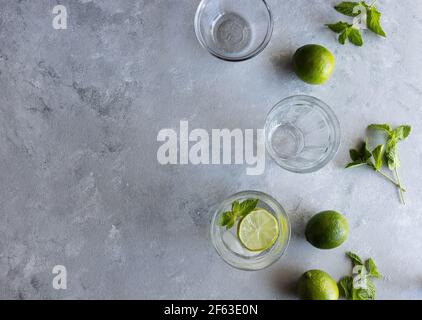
x: 231, y: 33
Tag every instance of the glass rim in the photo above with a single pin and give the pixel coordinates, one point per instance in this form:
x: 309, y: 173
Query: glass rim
x: 259, y: 263
x: 245, y: 57
x: 333, y: 123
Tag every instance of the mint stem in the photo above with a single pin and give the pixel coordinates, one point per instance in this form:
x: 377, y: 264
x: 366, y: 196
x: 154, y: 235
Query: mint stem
x: 397, y: 184
x: 373, y: 3
x: 400, y: 190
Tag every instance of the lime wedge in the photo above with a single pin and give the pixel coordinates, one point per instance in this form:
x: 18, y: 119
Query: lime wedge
x: 258, y: 230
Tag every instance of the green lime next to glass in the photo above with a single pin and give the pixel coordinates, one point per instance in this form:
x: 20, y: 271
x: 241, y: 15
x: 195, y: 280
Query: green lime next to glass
x: 250, y: 230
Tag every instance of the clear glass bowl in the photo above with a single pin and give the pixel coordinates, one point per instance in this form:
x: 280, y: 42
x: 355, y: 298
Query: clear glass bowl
x: 233, y: 30
x: 302, y: 134
x: 229, y: 247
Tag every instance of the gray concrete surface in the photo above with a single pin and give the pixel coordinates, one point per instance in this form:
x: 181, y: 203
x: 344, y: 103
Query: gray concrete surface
x: 80, y: 110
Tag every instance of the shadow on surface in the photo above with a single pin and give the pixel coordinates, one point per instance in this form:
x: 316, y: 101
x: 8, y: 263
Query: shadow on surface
x: 282, y: 61
x: 284, y: 280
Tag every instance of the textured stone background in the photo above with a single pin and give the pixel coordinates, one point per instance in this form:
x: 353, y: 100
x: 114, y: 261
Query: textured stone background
x: 80, y: 110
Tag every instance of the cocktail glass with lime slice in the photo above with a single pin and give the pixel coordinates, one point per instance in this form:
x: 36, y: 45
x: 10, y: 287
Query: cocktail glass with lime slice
x: 251, y: 239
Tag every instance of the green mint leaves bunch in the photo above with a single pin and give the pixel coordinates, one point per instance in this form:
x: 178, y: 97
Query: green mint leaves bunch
x: 359, y: 286
x: 383, y: 154
x: 362, y: 12
x: 239, y: 210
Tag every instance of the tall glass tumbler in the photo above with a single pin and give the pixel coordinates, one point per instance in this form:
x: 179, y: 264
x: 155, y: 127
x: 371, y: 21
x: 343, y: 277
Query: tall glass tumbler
x: 302, y: 134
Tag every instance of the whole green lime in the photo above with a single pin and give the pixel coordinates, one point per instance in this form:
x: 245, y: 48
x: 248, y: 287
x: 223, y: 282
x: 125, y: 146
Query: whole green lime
x: 317, y: 285
x: 313, y: 63
x: 327, y: 230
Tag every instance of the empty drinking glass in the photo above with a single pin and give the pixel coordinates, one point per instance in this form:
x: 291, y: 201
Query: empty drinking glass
x: 233, y: 30
x: 302, y: 134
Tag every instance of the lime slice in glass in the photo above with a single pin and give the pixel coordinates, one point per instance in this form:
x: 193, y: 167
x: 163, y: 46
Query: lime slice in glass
x: 258, y: 230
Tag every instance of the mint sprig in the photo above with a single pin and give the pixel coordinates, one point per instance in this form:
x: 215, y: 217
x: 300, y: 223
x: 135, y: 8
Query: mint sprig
x: 366, y: 272
x: 239, y: 210
x: 386, y: 153
x: 347, y: 31
x: 352, y: 31
x: 393, y: 136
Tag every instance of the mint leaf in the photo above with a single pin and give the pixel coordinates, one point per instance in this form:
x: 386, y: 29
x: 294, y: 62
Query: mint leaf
x: 356, y: 260
x: 365, y: 153
x: 360, y: 157
x: 246, y: 207
x: 354, y: 154
x: 365, y: 294
x: 345, y: 286
x: 371, y: 291
x: 381, y: 127
x: 372, y: 268
x: 226, y: 219
x: 346, y: 8
x: 343, y: 36
x: 355, y: 37
x: 391, y: 153
x: 339, y: 26
x: 402, y: 132
x: 377, y: 153
x: 235, y: 206
x: 373, y: 21
x: 231, y: 222
x: 346, y: 32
